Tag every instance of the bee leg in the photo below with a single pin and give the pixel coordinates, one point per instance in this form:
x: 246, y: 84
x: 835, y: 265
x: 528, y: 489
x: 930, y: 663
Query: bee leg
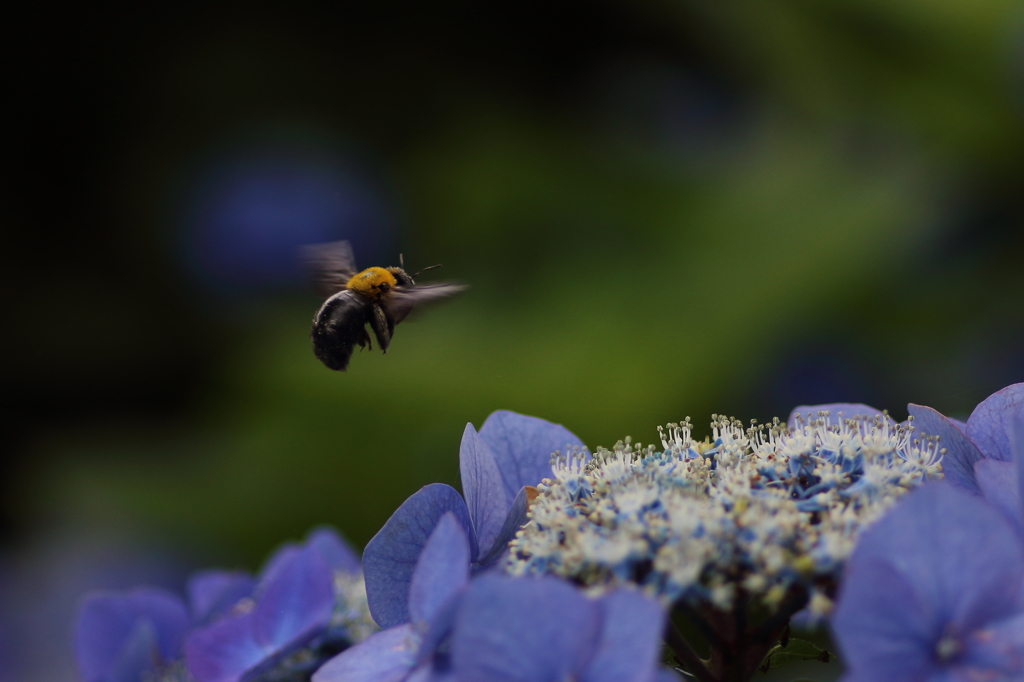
x: 390, y: 320
x: 379, y: 322
x: 365, y: 341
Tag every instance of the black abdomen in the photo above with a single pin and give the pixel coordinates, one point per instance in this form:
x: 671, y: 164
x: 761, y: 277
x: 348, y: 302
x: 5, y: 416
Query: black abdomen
x: 338, y: 327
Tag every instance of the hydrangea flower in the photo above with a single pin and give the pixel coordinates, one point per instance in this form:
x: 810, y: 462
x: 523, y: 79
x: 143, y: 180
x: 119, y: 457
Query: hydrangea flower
x: 984, y: 438
x: 412, y: 649
x: 499, y: 467
x: 503, y: 629
x: 119, y: 637
x: 999, y: 432
x: 307, y: 605
x: 979, y: 454
x: 934, y: 592
x: 762, y: 511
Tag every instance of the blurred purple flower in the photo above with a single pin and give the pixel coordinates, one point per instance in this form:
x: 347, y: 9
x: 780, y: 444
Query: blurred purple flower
x: 119, y: 636
x: 239, y: 624
x: 438, y: 581
x: 212, y: 593
x: 934, y: 592
x: 252, y: 625
x: 511, y: 452
x: 251, y: 211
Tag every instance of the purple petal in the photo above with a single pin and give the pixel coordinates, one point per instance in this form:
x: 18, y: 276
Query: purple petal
x: 999, y: 647
x: 138, y: 655
x: 630, y: 641
x: 522, y: 447
x: 961, y: 453
x: 514, y: 520
x: 999, y: 485
x: 1017, y: 452
x: 387, y: 656
x: 442, y: 570
x: 990, y: 425
x: 281, y: 556
x: 665, y: 675
x: 882, y: 627
x: 523, y: 630
x: 338, y: 554
x: 390, y: 557
x: 107, y: 623
x: 441, y: 575
x: 213, y: 593
x: 224, y: 651
x: 483, y: 487
x: 430, y: 673
x: 848, y: 410
x: 296, y: 603
x: 963, y: 560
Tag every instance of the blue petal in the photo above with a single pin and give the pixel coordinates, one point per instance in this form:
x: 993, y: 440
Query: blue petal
x: 884, y: 630
x: 999, y: 484
x: 387, y: 656
x: 1018, y: 459
x: 390, y: 557
x: 630, y: 639
x: 989, y: 426
x: 483, y: 487
x: 849, y: 410
x: 514, y: 520
x: 963, y: 560
x: 431, y: 673
x: 107, y: 624
x: 138, y: 655
x: 961, y: 453
x: 296, y: 603
x: 999, y: 647
x: 522, y: 446
x: 338, y: 554
x: 281, y: 556
x: 523, y: 630
x: 224, y: 651
x: 213, y: 593
x: 442, y: 570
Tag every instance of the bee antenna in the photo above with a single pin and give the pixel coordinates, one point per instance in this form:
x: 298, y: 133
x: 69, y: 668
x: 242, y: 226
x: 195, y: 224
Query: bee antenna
x: 429, y: 267
x: 401, y: 261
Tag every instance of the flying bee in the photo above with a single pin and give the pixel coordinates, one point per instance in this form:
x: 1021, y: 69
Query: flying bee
x: 379, y: 297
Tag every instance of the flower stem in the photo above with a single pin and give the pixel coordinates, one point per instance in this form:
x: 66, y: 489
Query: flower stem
x: 686, y: 655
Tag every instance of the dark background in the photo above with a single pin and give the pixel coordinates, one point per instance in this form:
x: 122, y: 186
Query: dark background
x: 663, y: 209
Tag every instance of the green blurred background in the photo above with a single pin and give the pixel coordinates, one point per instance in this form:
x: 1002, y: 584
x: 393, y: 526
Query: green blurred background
x: 662, y: 208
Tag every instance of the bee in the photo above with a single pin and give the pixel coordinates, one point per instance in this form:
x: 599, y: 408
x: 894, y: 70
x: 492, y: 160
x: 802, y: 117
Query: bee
x: 379, y: 297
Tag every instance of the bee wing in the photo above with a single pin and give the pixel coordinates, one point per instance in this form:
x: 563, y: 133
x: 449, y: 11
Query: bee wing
x: 331, y: 265
x: 403, y: 299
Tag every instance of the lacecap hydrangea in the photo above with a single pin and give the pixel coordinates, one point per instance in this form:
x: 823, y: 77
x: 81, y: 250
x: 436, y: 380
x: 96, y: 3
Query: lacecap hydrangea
x: 769, y: 512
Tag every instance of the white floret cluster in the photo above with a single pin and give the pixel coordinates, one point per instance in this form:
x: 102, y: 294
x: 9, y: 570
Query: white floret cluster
x: 351, y: 613
x: 752, y: 511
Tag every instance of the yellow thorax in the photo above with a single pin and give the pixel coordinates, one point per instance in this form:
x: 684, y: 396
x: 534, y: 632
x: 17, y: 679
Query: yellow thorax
x: 372, y: 282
